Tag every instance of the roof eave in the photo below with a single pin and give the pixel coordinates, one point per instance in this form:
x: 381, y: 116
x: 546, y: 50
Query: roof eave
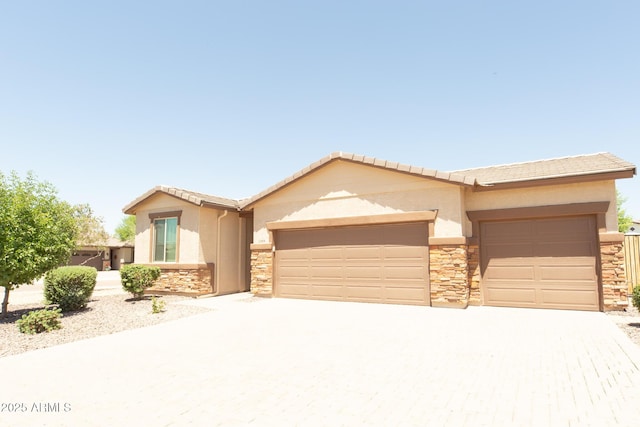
x: 573, y: 179
x: 131, y: 208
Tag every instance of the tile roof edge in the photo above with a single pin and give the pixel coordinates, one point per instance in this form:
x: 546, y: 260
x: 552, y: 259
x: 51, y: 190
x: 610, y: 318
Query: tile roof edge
x: 538, y: 161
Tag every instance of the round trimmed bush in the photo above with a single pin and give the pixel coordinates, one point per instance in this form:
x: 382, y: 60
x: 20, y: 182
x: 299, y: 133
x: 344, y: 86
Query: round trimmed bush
x: 136, y: 278
x: 635, y: 297
x: 70, y: 288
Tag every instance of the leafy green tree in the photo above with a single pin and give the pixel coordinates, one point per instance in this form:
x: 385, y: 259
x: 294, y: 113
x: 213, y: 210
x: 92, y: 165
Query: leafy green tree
x: 90, y: 230
x: 126, y: 231
x: 624, y: 221
x: 90, y: 227
x: 37, y: 231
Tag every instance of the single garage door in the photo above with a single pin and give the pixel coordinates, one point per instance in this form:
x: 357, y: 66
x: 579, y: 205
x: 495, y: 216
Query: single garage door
x: 544, y: 263
x: 375, y: 263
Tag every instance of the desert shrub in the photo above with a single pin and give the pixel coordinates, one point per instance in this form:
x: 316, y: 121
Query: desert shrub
x: 136, y: 278
x: 635, y: 297
x: 70, y: 287
x: 157, y: 305
x: 39, y: 321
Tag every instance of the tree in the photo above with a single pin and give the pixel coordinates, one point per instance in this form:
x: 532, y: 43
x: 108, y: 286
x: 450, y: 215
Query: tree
x: 624, y: 221
x: 126, y: 231
x: 90, y: 230
x: 37, y: 231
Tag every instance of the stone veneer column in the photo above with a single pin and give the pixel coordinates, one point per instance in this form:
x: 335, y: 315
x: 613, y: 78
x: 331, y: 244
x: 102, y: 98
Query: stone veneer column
x: 448, y: 272
x: 473, y: 257
x: 614, y: 282
x: 262, y: 270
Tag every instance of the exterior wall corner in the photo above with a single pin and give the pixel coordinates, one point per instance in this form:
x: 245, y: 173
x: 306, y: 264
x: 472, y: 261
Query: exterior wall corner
x: 614, y: 281
x: 449, y: 275
x: 262, y: 271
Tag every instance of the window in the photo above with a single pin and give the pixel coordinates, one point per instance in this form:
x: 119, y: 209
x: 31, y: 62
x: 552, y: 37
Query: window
x: 165, y: 231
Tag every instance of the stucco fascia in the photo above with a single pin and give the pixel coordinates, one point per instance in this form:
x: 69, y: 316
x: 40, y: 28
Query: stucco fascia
x: 344, y: 189
x: 598, y: 191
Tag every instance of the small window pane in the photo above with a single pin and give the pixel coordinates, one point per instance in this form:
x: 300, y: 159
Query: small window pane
x: 171, y: 239
x: 159, y: 233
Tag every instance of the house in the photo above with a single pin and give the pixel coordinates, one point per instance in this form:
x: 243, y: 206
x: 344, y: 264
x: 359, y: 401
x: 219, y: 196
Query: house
x: 110, y: 256
x: 201, y: 242
x: 354, y: 228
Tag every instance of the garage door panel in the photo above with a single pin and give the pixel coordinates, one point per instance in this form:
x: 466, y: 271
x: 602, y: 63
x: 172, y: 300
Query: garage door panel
x: 362, y: 273
x: 402, y: 294
x: 293, y: 290
x: 404, y: 252
x: 328, y: 253
x: 325, y: 272
x: 559, y: 298
x: 354, y: 253
x: 404, y: 273
x: 570, y: 273
x: 293, y: 272
x: 382, y: 263
x: 509, y: 296
x: 562, y: 248
x: 328, y: 290
x: 510, y: 273
x: 361, y: 291
x: 560, y: 270
x: 509, y: 250
x: 571, y: 226
x: 514, y: 229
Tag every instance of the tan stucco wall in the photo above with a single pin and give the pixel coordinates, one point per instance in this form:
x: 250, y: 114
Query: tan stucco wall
x: 344, y: 189
x: 599, y: 191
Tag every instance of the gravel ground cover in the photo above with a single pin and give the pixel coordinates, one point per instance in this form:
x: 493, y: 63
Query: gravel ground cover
x: 103, y: 315
x: 109, y: 314
x: 628, y: 321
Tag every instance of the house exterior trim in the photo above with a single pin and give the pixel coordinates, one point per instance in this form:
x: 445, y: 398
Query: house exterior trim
x: 354, y: 220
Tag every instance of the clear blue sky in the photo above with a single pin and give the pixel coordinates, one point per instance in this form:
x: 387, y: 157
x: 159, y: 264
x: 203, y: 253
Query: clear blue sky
x: 106, y: 99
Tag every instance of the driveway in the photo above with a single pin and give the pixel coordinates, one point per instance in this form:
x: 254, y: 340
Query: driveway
x: 278, y: 362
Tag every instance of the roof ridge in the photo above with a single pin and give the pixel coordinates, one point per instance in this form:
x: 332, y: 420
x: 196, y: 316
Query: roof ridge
x: 454, y: 178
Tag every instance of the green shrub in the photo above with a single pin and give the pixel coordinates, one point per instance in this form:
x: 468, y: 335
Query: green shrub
x: 39, y: 321
x: 157, y: 305
x: 70, y: 287
x: 635, y: 297
x: 136, y: 278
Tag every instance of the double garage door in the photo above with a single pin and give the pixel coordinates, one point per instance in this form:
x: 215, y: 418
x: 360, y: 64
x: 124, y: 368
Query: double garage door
x: 544, y: 263
x: 373, y: 263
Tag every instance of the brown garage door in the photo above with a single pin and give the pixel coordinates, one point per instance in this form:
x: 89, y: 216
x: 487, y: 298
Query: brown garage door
x: 545, y: 263
x: 381, y: 263
x: 87, y: 258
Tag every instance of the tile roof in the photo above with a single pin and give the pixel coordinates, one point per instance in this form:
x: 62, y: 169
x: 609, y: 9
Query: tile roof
x: 566, y: 167
x: 575, y: 166
x: 199, y: 199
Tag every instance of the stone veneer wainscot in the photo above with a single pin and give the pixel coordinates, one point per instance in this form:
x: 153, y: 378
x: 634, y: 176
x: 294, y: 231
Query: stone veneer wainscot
x: 184, y: 280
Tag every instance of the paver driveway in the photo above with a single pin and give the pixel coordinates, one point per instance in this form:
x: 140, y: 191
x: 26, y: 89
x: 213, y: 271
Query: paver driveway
x: 287, y: 362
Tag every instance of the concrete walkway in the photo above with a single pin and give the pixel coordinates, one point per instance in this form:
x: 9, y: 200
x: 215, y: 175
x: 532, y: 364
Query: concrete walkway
x: 287, y: 362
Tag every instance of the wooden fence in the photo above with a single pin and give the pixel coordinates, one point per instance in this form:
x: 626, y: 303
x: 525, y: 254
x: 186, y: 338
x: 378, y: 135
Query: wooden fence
x: 632, y: 260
